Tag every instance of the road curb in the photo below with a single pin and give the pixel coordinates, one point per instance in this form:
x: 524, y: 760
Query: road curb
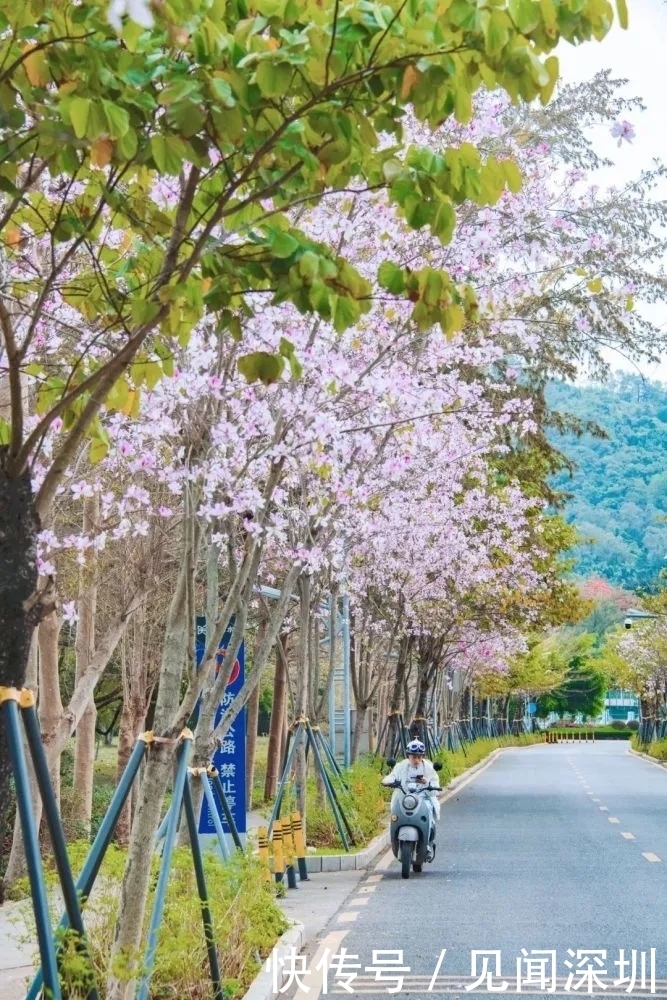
x: 290, y: 943
x: 647, y: 756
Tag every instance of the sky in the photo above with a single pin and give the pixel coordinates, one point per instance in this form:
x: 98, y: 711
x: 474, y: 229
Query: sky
x: 638, y: 55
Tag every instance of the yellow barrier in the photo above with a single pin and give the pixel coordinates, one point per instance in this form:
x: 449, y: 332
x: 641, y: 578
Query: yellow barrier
x: 278, y: 856
x: 263, y: 849
x: 299, y: 845
x: 555, y: 737
x: 285, y: 850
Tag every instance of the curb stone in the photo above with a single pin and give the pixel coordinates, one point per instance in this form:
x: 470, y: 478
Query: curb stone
x: 648, y: 757
x: 290, y: 943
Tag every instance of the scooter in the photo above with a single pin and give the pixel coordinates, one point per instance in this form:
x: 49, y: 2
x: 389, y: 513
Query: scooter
x: 412, y: 825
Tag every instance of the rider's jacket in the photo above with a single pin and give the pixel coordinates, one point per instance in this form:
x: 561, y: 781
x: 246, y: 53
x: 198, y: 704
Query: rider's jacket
x: 404, y: 771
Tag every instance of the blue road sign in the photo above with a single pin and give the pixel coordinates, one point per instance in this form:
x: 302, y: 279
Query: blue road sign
x: 229, y: 758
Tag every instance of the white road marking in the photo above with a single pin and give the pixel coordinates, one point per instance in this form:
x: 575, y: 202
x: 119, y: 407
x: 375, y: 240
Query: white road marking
x: 359, y: 901
x: 315, y: 980
x: 383, y: 863
x: 604, y: 809
x: 348, y: 917
x: 612, y: 819
x: 627, y: 835
x: 650, y: 856
x: 367, y: 888
x: 374, y: 878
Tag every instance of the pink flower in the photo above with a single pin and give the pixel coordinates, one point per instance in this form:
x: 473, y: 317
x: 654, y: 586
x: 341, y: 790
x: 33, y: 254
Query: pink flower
x: 623, y: 130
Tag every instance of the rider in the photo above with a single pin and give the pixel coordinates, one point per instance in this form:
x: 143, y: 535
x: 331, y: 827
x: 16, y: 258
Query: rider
x: 418, y: 769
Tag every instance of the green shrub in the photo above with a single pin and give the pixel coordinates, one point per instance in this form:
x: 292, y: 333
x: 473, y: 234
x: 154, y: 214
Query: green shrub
x: 456, y: 762
x: 657, y: 748
x: 247, y: 922
x: 617, y: 724
x: 363, y: 803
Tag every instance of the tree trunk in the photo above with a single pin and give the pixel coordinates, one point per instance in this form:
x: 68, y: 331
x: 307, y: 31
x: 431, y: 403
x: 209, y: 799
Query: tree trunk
x: 126, y: 949
x: 251, y: 743
x: 131, y: 725
x: 137, y: 688
x: 274, y: 758
x: 392, y: 731
x: 19, y: 612
x: 84, y: 749
x: 360, y: 718
x: 302, y: 695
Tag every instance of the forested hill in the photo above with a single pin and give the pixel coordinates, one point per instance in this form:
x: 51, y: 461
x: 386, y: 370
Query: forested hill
x: 620, y: 484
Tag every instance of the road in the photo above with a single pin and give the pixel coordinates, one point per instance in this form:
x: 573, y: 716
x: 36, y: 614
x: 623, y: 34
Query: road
x: 560, y: 848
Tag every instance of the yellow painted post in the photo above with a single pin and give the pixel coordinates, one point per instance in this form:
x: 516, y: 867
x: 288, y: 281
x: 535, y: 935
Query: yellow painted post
x: 263, y: 848
x: 288, y: 846
x: 278, y: 856
x: 300, y: 846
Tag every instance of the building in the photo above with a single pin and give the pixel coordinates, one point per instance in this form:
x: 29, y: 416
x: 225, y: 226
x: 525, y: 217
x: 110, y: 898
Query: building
x: 620, y: 705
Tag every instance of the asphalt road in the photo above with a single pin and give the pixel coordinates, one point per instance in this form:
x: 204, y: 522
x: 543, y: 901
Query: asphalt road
x: 560, y: 848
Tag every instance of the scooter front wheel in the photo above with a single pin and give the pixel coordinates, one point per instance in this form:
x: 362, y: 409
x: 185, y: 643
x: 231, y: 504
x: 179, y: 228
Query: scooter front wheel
x: 407, y: 848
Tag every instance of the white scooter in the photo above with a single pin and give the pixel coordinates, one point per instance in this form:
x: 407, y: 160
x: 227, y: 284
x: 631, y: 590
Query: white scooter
x: 412, y: 825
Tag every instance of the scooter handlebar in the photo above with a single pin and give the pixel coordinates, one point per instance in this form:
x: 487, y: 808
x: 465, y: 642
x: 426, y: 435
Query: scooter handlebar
x: 417, y: 787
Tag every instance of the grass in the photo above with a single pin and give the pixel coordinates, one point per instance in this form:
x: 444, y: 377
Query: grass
x: 657, y: 748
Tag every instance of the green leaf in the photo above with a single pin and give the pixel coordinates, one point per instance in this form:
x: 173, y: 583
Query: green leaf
x: 153, y: 374
x: 512, y: 176
x: 117, y: 118
x: 98, y: 450
x: 525, y: 14
x: 274, y: 78
x: 119, y: 395
x: 391, y: 277
x: 261, y: 367
x: 168, y: 152
x: 79, y: 111
x: 283, y: 245
x: 622, y: 10
x: 345, y: 313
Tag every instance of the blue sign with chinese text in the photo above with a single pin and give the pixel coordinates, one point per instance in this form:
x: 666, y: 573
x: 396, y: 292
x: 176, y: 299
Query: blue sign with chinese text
x: 229, y: 758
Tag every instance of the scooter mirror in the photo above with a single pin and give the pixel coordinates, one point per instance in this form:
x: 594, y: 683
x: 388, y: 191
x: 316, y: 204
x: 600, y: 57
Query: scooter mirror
x: 437, y: 766
x: 391, y: 761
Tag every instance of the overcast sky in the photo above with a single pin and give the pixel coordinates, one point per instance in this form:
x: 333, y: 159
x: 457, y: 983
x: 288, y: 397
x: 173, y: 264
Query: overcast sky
x: 640, y: 56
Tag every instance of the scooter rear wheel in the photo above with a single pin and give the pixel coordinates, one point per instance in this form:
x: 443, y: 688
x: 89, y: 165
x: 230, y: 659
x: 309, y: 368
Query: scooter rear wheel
x: 406, y: 857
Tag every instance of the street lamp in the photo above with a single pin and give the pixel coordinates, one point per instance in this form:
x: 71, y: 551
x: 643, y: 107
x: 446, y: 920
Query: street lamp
x: 634, y: 614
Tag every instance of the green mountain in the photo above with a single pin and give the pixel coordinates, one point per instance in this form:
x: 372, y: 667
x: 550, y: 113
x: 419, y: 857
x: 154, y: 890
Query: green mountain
x: 619, y: 485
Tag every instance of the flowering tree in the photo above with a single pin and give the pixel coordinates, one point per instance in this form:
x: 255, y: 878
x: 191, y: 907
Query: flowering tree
x: 103, y: 271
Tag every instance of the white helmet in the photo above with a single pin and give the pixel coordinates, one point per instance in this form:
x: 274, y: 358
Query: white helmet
x: 416, y: 747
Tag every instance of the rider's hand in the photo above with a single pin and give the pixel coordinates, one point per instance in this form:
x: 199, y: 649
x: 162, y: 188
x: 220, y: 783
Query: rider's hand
x: 421, y: 780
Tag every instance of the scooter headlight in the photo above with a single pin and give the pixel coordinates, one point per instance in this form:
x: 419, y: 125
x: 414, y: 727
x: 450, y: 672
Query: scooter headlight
x: 409, y: 802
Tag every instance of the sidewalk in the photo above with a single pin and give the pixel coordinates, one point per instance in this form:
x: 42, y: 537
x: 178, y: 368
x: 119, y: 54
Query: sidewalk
x: 16, y: 953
